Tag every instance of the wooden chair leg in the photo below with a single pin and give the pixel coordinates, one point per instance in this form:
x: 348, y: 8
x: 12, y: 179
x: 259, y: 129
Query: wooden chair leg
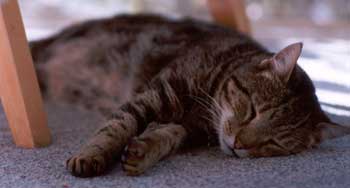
x: 230, y: 13
x: 20, y: 93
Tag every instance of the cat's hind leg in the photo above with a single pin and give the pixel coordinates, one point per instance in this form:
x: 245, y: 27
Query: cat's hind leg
x: 157, y: 142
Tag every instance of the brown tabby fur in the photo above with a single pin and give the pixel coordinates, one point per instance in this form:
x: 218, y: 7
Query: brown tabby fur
x: 168, y: 84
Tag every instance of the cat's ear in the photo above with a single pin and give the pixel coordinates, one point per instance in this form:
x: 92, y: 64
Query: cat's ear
x: 332, y: 130
x: 284, y: 61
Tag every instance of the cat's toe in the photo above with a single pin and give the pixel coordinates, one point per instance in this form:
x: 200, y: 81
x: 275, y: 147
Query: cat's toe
x: 134, y: 161
x: 81, y: 166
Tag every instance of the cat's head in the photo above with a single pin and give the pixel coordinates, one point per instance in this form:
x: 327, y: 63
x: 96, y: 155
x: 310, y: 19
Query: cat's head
x: 270, y: 108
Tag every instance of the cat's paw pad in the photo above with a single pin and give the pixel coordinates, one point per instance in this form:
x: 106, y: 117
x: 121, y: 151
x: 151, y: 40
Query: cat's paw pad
x: 86, y: 166
x: 134, y: 158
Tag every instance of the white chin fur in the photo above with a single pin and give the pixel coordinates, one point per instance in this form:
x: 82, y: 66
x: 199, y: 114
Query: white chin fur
x: 225, y: 144
x: 225, y: 148
x: 241, y: 153
x: 225, y: 114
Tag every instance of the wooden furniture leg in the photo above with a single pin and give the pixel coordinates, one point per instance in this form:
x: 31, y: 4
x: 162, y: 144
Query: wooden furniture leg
x: 230, y: 13
x: 19, y: 88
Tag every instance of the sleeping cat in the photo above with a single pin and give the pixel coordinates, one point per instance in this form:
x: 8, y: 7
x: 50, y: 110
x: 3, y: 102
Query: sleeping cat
x: 165, y: 85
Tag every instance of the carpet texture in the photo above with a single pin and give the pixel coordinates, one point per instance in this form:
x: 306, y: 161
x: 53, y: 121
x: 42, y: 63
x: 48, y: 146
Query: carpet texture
x: 326, y: 166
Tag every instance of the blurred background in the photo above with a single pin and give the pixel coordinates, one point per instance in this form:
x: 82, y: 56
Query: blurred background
x: 323, y: 26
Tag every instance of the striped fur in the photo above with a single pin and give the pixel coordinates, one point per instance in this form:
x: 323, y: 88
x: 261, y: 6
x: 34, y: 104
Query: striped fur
x: 164, y: 85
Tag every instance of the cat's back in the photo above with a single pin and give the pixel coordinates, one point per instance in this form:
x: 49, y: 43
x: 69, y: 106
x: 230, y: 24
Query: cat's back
x: 149, y: 41
x: 110, y: 58
x: 188, y: 47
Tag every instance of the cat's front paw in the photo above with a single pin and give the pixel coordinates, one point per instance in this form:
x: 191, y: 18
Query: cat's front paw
x: 134, y: 159
x: 86, y: 166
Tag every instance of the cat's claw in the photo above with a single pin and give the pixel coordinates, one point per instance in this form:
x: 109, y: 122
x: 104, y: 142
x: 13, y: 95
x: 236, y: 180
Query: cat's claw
x: 134, y: 160
x: 83, y: 166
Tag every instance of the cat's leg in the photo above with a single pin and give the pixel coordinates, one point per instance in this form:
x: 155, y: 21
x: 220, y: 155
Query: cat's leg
x: 157, y: 142
x: 107, y: 144
x: 96, y: 156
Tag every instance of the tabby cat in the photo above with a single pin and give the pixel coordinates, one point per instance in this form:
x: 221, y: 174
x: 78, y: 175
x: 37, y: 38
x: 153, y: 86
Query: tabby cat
x: 166, y: 84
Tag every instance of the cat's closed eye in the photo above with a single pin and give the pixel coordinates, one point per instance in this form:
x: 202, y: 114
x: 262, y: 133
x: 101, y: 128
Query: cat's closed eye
x: 279, y: 145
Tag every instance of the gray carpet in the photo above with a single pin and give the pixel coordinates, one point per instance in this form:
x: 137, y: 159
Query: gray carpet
x: 327, y: 166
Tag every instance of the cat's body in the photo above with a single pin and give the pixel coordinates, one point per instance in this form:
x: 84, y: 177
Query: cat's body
x: 178, y: 83
x: 121, y: 55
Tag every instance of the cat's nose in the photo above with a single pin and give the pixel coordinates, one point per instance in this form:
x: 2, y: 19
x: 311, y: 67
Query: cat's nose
x: 238, y: 144
x: 239, y: 150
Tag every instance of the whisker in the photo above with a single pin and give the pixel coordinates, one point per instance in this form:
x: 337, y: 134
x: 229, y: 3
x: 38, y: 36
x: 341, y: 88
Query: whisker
x: 208, y: 106
x: 211, y: 98
x: 204, y: 104
x: 208, y: 119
